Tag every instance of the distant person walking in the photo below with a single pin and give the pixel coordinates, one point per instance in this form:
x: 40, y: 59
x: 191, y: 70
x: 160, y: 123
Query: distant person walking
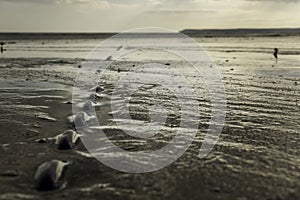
x: 2, y: 48
x: 275, y: 53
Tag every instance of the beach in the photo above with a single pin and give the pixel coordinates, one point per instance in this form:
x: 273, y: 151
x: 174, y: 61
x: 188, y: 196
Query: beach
x: 256, y: 156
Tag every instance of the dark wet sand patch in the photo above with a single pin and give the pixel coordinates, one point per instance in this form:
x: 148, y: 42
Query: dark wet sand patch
x: 255, y: 158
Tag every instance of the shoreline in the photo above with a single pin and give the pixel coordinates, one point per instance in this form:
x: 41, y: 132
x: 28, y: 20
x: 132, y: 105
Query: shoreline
x: 259, y: 142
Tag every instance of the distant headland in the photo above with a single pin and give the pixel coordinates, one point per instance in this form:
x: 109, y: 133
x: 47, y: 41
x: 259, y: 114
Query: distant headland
x: 247, y: 32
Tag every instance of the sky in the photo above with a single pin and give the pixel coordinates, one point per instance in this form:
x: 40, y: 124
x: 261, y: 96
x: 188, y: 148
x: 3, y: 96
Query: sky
x: 121, y: 15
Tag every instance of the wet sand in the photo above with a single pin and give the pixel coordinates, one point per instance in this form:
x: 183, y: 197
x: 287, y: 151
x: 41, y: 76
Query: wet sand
x: 257, y: 156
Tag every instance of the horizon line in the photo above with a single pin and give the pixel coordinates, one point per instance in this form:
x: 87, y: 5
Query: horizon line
x: 113, y: 32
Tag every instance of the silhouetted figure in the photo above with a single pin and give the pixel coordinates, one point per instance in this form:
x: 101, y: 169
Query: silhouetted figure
x: 2, y: 48
x: 275, y: 53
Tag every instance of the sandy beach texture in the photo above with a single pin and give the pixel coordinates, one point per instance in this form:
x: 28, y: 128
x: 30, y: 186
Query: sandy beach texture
x: 256, y: 157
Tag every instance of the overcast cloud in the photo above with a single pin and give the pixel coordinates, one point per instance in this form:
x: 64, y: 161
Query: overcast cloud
x: 118, y: 15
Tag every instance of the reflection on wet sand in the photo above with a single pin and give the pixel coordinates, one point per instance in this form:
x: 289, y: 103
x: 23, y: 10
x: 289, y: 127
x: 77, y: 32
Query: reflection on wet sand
x: 259, y: 143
